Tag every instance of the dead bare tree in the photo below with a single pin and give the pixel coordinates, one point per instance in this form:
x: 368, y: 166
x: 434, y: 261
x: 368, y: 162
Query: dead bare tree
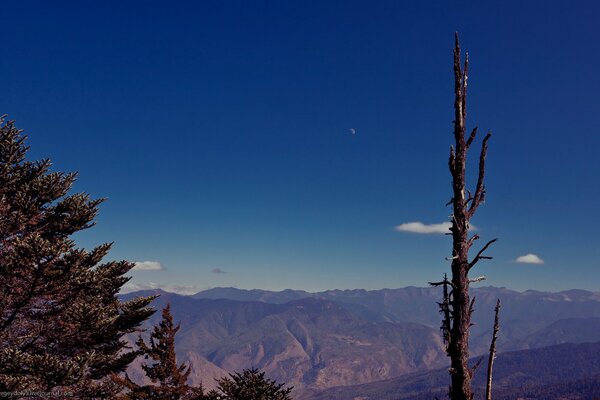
x: 488, y: 387
x: 457, y: 306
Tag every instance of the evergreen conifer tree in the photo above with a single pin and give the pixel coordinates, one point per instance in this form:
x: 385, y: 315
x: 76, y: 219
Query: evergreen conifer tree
x: 61, y: 322
x: 169, y: 379
x: 251, y: 384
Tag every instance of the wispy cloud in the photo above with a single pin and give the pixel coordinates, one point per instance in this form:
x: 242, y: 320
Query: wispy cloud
x: 147, y: 266
x: 419, y: 227
x: 529, y: 259
x: 178, y: 289
x: 218, y: 271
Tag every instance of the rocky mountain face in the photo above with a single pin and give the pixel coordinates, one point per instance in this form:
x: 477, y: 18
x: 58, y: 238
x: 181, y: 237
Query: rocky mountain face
x: 316, y: 341
x: 308, y: 342
x: 567, y: 371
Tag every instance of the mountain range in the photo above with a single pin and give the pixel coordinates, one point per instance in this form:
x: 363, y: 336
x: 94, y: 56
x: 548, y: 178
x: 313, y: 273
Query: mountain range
x: 565, y: 371
x: 339, y: 338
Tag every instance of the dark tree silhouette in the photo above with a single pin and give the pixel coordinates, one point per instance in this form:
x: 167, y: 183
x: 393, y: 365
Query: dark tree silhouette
x: 61, y: 323
x: 169, y: 379
x: 251, y: 384
x: 492, y: 356
x: 457, y: 306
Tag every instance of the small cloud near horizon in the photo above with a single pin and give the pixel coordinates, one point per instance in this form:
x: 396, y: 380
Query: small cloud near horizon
x: 148, y: 266
x: 529, y: 259
x: 419, y: 227
x: 218, y: 271
x: 184, y: 290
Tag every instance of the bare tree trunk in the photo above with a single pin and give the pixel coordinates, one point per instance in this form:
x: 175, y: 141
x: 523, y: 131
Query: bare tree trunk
x: 488, y: 388
x: 464, y: 207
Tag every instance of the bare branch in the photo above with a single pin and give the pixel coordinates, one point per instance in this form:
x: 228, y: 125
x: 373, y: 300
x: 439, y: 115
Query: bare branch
x: 479, y: 255
x: 469, y: 198
x: 459, y: 120
x: 436, y: 283
x: 471, y: 137
x: 472, y: 240
x: 477, y: 364
x: 480, y: 190
x: 488, y: 389
x: 441, y: 283
x: 445, y: 310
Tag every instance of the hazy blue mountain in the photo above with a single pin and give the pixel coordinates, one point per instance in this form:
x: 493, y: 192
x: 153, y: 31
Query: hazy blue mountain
x: 310, y: 342
x: 265, y: 296
x: 567, y: 371
x: 569, y: 330
x: 342, y: 337
x: 524, y: 314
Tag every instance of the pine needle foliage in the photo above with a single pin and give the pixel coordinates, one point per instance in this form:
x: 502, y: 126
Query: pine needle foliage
x: 169, y: 379
x: 61, y: 322
x: 250, y: 384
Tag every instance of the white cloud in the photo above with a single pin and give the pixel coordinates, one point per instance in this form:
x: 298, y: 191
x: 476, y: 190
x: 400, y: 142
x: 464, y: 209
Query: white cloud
x: 419, y: 227
x: 147, y: 266
x: 218, y: 271
x: 529, y: 259
x: 178, y: 289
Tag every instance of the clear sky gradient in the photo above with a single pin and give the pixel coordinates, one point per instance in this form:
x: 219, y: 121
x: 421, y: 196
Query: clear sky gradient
x: 220, y: 132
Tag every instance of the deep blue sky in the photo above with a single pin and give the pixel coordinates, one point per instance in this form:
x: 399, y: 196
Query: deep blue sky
x: 219, y: 131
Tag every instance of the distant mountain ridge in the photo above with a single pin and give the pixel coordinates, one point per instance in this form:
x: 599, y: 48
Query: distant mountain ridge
x: 308, y: 342
x: 567, y: 371
x: 342, y: 337
x: 233, y: 293
x: 265, y: 296
x: 523, y: 314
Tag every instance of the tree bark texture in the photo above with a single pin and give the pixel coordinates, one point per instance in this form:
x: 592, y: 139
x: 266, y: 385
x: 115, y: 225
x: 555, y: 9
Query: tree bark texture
x: 464, y: 207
